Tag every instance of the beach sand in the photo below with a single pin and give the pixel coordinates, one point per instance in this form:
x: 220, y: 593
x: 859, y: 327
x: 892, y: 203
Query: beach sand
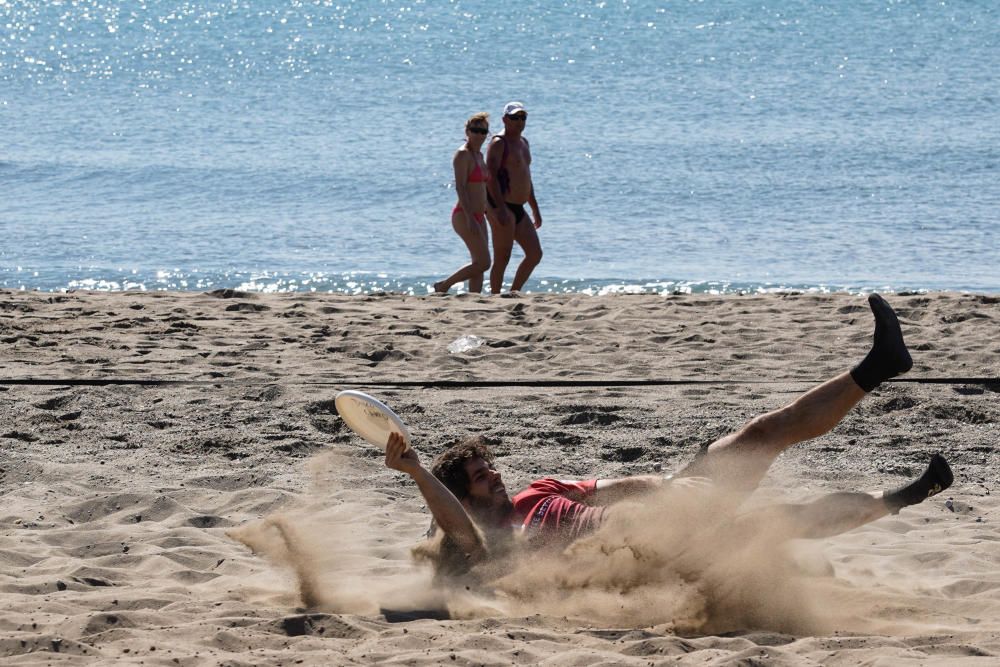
x: 122, y: 503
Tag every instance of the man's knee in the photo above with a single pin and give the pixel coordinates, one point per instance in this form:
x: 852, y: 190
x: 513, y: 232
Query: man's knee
x: 757, y: 429
x: 481, y: 265
x: 532, y: 255
x: 764, y: 428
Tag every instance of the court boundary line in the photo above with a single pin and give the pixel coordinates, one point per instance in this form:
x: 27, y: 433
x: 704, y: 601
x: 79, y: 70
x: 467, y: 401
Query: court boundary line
x: 453, y: 384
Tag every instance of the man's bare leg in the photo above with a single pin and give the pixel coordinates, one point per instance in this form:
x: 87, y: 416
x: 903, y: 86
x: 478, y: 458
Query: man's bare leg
x: 838, y: 513
x: 527, y: 238
x: 740, y: 460
x: 826, y: 516
x: 503, y: 245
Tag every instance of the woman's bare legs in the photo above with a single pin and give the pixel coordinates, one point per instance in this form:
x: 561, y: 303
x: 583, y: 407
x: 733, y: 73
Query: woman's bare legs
x: 481, y: 260
x: 474, y: 236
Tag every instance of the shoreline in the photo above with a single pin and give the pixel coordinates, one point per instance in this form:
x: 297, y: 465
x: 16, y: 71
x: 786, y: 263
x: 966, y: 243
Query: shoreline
x: 371, y: 283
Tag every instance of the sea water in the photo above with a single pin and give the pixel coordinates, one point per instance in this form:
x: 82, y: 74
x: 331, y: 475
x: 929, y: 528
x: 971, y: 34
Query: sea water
x: 678, y: 145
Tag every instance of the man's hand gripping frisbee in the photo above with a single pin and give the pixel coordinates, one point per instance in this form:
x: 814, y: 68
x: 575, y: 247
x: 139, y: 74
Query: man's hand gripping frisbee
x: 400, y: 456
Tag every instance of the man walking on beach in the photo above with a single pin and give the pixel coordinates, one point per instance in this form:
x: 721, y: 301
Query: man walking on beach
x: 509, y: 188
x: 470, y: 505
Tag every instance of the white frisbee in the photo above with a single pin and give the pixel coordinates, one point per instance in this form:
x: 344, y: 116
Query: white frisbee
x: 369, y: 417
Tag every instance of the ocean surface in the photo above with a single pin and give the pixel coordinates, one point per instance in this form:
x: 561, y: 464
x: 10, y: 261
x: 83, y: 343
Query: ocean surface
x: 712, y: 146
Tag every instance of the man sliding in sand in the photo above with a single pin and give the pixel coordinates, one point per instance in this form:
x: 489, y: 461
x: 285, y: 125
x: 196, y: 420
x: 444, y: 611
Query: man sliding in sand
x: 469, y: 502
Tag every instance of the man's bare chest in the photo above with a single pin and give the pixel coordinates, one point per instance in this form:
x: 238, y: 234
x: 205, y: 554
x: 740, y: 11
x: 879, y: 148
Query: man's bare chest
x: 518, y: 157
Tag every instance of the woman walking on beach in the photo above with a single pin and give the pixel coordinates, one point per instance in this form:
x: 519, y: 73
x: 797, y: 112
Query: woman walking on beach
x: 468, y: 218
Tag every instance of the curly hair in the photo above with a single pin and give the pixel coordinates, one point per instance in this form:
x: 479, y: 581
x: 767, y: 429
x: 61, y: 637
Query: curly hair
x: 449, y: 467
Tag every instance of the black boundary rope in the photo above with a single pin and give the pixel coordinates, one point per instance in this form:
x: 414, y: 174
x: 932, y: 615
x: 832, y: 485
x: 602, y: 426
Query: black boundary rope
x: 452, y: 384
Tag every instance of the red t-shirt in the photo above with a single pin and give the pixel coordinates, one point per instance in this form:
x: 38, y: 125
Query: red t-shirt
x: 547, y: 515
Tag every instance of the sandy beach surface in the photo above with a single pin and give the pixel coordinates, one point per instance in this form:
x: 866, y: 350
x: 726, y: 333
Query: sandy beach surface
x: 128, y: 506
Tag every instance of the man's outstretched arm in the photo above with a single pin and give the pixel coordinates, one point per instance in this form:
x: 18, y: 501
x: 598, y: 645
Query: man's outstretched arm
x: 446, y: 509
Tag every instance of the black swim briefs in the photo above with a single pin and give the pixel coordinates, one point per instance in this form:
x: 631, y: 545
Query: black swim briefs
x: 517, y: 209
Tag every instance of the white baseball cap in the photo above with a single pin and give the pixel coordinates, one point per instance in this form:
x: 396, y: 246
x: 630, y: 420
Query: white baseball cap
x: 513, y: 107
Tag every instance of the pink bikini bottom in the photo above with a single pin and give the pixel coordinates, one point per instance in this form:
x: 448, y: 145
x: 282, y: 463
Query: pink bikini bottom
x: 479, y: 217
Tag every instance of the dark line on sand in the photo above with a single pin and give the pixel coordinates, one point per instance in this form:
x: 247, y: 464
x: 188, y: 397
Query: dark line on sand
x: 452, y: 384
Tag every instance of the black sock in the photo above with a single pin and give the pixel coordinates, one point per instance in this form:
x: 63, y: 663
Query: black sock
x: 935, y: 479
x: 888, y: 356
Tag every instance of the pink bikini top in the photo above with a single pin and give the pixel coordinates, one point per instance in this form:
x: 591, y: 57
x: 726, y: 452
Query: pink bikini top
x: 477, y: 175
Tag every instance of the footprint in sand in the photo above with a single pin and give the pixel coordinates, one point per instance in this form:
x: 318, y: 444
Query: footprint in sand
x: 247, y: 308
x: 559, y: 437
x: 591, y: 417
x: 959, y: 413
x: 55, y: 403
x: 266, y: 395
x: 623, y: 454
x: 896, y: 403
x: 229, y: 294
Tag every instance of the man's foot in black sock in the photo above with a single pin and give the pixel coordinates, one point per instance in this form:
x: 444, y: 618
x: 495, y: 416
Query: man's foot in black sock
x: 888, y: 356
x: 935, y: 479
